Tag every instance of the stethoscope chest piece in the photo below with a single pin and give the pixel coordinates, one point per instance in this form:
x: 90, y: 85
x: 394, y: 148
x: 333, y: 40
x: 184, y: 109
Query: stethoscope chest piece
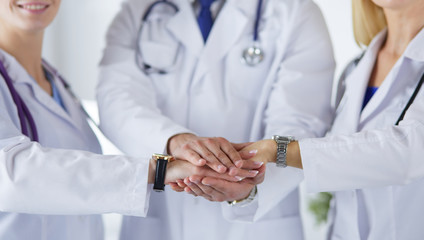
x: 252, y: 56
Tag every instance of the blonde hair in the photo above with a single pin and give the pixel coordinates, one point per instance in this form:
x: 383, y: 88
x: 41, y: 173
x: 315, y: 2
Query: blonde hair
x: 368, y: 20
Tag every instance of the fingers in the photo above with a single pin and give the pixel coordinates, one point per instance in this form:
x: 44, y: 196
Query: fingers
x: 181, y: 183
x: 218, y: 153
x: 215, y: 158
x: 206, y: 171
x: 240, y: 146
x: 242, y: 173
x: 248, y: 154
x: 258, y: 179
x: 190, y: 155
x: 195, y: 190
x: 248, y: 164
x: 229, y: 150
x: 175, y: 187
x: 205, y: 191
x: 229, y: 190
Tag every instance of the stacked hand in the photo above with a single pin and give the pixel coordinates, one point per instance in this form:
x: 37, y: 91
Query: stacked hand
x: 214, y: 168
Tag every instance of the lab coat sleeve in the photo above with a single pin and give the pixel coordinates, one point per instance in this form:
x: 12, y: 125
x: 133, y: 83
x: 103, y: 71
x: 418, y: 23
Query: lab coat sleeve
x: 39, y: 180
x: 299, y: 103
x: 129, y: 113
x: 368, y: 159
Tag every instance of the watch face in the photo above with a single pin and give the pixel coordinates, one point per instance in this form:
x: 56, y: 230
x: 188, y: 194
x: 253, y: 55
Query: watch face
x: 283, y: 138
x: 158, y: 156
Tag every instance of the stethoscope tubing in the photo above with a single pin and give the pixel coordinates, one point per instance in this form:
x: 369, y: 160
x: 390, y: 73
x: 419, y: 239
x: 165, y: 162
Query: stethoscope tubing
x: 258, y: 17
x: 149, y: 10
x: 148, y: 69
x: 23, y: 111
x: 411, y: 100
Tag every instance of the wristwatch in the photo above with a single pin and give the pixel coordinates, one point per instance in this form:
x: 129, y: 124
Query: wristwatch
x: 161, y: 163
x: 244, y: 202
x: 282, y: 143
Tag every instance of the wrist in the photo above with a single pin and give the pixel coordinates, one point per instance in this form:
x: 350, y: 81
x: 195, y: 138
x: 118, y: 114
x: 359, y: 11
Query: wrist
x: 282, y: 145
x: 272, y: 150
x: 247, y: 199
x: 152, y: 171
x: 294, y: 158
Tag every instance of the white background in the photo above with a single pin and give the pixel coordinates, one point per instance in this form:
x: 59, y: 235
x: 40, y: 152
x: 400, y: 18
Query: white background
x: 75, y: 41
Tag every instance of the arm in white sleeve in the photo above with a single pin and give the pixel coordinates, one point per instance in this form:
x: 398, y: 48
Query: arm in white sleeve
x: 129, y: 113
x: 39, y: 180
x: 376, y: 158
x: 299, y: 103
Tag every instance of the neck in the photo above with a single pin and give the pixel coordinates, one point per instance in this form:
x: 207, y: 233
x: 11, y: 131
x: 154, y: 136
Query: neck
x: 402, y: 25
x: 25, y: 47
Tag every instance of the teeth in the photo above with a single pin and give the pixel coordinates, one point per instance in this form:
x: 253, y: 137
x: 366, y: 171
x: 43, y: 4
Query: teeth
x: 34, y: 7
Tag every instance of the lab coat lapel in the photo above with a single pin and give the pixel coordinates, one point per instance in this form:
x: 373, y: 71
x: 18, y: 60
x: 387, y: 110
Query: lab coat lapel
x: 356, y: 83
x: 20, y: 76
x: 227, y: 29
x: 46, y: 100
x: 74, y: 112
x: 185, y: 28
x: 379, y: 96
x: 49, y: 103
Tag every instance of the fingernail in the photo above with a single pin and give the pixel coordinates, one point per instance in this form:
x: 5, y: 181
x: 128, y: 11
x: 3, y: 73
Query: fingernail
x: 254, y: 172
x: 221, y: 168
x: 258, y: 163
x: 253, y: 151
x: 190, y: 184
x: 239, y: 178
x: 202, y: 161
x: 239, y: 163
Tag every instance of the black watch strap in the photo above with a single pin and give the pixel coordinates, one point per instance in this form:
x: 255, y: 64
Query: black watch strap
x: 161, y: 163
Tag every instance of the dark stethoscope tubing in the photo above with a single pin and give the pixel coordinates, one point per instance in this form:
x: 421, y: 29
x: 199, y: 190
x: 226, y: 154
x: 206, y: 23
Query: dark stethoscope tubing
x: 23, y: 111
x: 144, y: 67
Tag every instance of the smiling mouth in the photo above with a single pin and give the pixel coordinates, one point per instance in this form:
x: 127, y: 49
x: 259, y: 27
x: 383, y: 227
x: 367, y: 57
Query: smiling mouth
x: 33, y: 6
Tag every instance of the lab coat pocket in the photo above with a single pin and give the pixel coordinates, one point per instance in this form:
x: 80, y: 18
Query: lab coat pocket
x: 158, y: 55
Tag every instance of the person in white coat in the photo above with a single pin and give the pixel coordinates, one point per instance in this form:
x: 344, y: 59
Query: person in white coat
x: 163, y: 78
x: 373, y: 155
x: 52, y: 178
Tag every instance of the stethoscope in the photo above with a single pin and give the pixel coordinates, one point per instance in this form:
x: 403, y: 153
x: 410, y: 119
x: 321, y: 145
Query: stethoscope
x: 25, y: 116
x: 251, y: 56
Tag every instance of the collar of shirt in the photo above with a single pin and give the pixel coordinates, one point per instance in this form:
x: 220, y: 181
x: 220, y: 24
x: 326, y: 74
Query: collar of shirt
x: 215, y: 7
x: 415, y: 49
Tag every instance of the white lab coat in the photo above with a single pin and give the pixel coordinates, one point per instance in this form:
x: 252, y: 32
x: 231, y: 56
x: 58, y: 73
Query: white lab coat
x: 51, y: 179
x: 367, y: 152
x: 210, y: 92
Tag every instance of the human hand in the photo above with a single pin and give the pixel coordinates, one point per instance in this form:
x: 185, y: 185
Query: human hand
x: 181, y: 169
x: 261, y: 151
x: 218, y: 153
x: 266, y: 151
x: 215, y: 189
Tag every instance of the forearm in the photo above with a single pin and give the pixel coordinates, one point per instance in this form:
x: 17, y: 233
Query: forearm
x: 375, y: 158
x: 41, y: 180
x: 266, y: 151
